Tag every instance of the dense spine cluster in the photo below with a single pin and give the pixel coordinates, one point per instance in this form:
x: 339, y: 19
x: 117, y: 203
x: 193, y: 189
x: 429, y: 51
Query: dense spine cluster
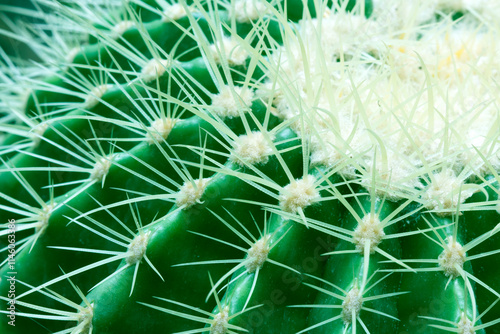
x: 252, y: 166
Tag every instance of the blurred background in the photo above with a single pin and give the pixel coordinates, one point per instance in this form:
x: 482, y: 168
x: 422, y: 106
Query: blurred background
x: 10, y: 16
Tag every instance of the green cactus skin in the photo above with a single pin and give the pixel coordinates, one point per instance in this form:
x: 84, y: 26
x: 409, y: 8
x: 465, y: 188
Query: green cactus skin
x: 250, y: 166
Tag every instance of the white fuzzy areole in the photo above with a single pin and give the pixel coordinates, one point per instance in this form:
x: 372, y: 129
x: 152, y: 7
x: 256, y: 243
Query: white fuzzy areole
x: 174, y: 12
x: 119, y: 29
x: 43, y: 218
x: 137, y: 248
x: 257, y: 254
x: 465, y: 326
x: 85, y: 317
x: 190, y: 194
x: 159, y: 130
x: 95, y: 95
x: 228, y: 102
x: 220, y: 322
x: 445, y: 193
x: 353, y: 302
x: 370, y: 229
x: 252, y: 149
x: 298, y: 194
x: 452, y: 258
x: 248, y: 10
x: 101, y: 168
x: 155, y: 68
x: 232, y: 50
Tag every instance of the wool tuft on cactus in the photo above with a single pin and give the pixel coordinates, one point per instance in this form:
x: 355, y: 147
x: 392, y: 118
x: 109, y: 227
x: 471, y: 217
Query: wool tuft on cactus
x: 250, y: 166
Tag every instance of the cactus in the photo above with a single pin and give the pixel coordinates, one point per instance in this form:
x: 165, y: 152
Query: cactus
x: 251, y: 166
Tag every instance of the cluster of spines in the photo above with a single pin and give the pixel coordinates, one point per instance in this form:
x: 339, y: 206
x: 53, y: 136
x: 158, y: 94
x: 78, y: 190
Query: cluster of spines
x: 166, y: 158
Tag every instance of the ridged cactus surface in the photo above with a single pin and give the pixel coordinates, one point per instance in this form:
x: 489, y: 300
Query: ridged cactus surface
x: 243, y: 166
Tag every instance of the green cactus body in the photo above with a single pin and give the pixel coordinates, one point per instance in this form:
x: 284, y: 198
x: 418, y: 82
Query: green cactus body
x: 251, y: 166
